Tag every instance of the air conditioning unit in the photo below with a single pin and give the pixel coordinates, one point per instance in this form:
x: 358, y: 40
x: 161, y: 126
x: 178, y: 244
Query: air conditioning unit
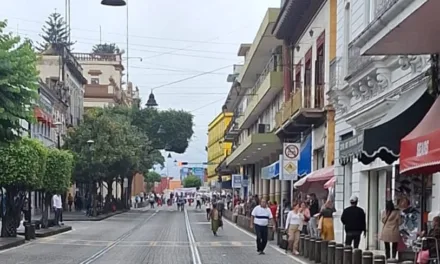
x: 263, y: 128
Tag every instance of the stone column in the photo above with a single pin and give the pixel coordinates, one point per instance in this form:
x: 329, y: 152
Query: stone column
x: 278, y: 191
x: 265, y: 189
x: 435, y: 203
x: 284, y: 190
x: 272, y: 190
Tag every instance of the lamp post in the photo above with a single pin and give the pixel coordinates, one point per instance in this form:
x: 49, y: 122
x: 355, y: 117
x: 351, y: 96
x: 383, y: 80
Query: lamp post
x: 90, y: 143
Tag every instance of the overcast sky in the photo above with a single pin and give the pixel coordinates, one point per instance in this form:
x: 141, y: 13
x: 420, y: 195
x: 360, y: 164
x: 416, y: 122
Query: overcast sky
x: 177, y: 39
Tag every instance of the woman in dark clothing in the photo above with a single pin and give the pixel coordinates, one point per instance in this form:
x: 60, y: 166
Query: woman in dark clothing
x: 326, y: 222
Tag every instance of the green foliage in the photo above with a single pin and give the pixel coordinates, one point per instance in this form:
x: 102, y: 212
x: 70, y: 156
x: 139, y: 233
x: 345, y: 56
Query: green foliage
x: 176, y: 124
x: 59, y: 166
x: 55, y: 32
x: 152, y: 177
x: 106, y: 48
x: 192, y: 181
x: 22, y: 164
x: 18, y: 84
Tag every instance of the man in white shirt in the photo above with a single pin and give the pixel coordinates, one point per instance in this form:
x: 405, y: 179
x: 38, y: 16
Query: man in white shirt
x: 260, y: 220
x: 57, y: 207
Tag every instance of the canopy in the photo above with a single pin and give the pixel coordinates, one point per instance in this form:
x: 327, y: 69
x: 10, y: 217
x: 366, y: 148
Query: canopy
x: 383, y: 139
x: 318, y: 177
x: 421, y: 148
x: 330, y: 183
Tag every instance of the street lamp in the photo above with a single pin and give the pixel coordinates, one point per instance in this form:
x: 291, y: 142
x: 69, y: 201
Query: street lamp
x: 58, y: 125
x: 151, y: 101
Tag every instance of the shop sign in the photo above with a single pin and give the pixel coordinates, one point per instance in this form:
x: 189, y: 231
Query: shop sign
x: 236, y: 181
x: 351, y: 146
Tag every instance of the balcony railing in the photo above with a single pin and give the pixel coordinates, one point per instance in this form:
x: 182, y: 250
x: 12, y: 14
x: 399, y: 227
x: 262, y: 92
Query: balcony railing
x: 356, y: 62
x: 97, y: 57
x: 274, y: 64
x: 381, y: 6
x: 300, y: 99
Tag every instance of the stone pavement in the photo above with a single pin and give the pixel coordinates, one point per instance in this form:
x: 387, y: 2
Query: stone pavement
x: 157, y: 236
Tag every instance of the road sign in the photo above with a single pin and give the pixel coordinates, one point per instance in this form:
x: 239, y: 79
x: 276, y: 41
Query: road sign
x: 291, y: 151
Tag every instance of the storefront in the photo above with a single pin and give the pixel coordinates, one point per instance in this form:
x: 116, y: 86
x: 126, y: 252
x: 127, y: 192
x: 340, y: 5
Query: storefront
x: 368, y: 167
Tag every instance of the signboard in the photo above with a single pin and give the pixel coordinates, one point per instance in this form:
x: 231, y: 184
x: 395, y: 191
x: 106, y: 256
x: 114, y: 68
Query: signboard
x: 199, y: 172
x: 350, y: 148
x: 271, y: 171
x: 289, y: 161
x: 236, y: 181
x: 245, y: 181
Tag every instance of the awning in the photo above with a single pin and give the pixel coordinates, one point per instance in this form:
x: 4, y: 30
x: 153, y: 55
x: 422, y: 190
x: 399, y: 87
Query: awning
x: 305, y: 157
x: 271, y: 171
x: 330, y: 183
x: 42, y: 116
x: 421, y: 148
x: 318, y: 177
x: 383, y: 139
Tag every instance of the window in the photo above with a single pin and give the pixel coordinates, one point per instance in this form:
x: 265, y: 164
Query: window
x: 94, y: 81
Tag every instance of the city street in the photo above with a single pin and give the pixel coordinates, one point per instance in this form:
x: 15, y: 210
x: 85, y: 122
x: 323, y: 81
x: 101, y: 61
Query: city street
x: 155, y: 236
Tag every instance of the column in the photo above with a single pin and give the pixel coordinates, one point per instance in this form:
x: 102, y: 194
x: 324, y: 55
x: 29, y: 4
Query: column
x: 284, y: 190
x: 272, y: 190
x: 265, y: 189
x: 435, y: 203
x: 278, y: 191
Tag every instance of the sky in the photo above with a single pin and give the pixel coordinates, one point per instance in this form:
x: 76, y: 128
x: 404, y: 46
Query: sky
x: 169, y: 41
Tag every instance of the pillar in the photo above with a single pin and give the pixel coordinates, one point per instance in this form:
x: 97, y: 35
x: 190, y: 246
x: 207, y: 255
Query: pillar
x: 272, y: 190
x: 278, y: 191
x: 265, y: 189
x: 284, y: 190
x: 435, y: 203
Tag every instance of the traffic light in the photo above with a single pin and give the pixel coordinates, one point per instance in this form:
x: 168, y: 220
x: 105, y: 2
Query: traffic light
x: 180, y: 163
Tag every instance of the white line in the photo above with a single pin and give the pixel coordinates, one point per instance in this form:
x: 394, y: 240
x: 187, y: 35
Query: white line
x: 192, y: 242
x: 272, y: 246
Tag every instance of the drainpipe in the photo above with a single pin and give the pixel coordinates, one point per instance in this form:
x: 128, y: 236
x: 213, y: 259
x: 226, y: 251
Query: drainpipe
x: 287, y: 71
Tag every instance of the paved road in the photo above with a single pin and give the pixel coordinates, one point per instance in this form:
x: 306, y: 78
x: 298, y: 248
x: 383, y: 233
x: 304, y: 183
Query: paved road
x: 157, y: 237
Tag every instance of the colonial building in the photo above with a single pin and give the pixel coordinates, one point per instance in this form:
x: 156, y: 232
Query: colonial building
x: 308, y: 32
x: 379, y: 100
x: 104, y: 74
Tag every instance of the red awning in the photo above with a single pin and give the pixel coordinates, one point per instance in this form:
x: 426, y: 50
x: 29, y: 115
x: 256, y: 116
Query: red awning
x: 330, y: 183
x: 42, y: 116
x: 420, y: 149
x: 318, y: 177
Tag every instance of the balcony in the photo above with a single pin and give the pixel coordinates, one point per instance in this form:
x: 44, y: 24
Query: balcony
x: 356, y: 62
x: 402, y: 27
x: 268, y: 85
x: 260, y: 51
x: 100, y: 91
x: 301, y: 111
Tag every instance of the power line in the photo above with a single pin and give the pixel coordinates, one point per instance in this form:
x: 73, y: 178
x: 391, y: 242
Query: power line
x: 189, y: 78
x: 206, y: 105
x: 133, y: 36
x: 186, y: 93
x: 172, y: 70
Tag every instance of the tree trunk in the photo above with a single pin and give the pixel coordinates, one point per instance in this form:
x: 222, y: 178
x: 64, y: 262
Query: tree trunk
x: 11, y: 218
x: 46, y: 208
x: 130, y: 181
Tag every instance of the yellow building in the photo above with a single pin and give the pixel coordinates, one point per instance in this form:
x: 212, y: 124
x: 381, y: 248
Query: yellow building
x: 218, y: 149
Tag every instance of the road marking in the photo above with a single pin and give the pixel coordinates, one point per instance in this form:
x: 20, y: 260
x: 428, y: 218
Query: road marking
x: 101, y: 252
x: 192, y: 242
x: 272, y: 246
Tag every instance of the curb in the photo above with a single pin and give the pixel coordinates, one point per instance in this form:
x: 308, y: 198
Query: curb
x: 13, y: 244
x: 49, y: 232
x: 91, y: 219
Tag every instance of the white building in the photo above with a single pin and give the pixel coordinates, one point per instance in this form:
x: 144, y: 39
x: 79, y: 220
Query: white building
x: 378, y: 101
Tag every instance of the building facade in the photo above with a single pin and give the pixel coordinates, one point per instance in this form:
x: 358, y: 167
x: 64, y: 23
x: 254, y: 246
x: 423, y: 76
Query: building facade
x: 104, y: 74
x: 379, y: 99
x: 217, y: 148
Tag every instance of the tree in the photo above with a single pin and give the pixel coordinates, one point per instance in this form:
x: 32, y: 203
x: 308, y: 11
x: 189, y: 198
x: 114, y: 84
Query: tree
x: 177, y: 126
x: 192, y: 181
x: 22, y: 166
x: 55, y: 34
x: 106, y: 48
x: 57, y: 179
x: 18, y: 84
x: 150, y: 178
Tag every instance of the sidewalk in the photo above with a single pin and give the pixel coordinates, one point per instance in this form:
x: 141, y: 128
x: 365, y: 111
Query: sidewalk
x: 10, y: 242
x: 81, y: 216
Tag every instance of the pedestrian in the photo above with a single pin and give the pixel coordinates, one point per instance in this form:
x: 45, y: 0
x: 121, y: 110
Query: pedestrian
x: 57, y: 207
x: 325, y: 225
x: 294, y: 224
x: 70, y: 201
x: 306, y: 213
x: 198, y: 201
x: 273, y: 209
x: 260, y: 220
x: 354, y: 220
x: 208, y: 210
x: 390, y: 235
x: 216, y: 219
x: 313, y: 204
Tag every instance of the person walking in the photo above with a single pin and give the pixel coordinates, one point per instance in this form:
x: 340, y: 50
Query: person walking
x: 70, y: 201
x: 313, y: 205
x: 260, y: 217
x: 216, y: 219
x: 354, y: 220
x: 294, y: 224
x: 306, y: 213
x: 198, y: 201
x: 390, y: 235
x: 325, y: 226
x: 57, y: 207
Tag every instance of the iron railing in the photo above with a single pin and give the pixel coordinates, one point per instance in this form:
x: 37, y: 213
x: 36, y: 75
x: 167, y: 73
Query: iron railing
x: 356, y: 62
x: 381, y: 6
